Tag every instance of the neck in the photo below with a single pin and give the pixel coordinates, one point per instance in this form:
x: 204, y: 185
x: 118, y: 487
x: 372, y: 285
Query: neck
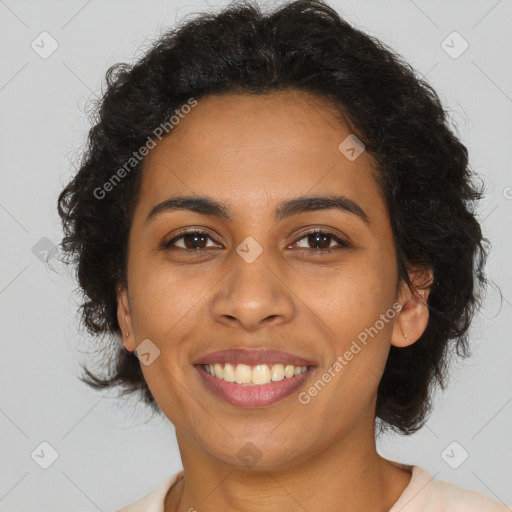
x: 349, y: 476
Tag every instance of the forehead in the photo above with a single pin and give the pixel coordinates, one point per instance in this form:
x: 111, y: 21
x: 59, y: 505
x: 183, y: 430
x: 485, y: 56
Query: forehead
x: 251, y: 150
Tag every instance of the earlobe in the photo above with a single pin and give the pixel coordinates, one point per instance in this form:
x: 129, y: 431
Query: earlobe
x: 412, y: 319
x: 124, y: 318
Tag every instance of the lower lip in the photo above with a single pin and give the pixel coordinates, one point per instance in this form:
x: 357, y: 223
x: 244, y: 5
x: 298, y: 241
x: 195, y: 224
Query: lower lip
x: 253, y: 396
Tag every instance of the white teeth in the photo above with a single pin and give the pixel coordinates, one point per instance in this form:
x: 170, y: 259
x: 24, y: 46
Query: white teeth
x: 242, y: 374
x: 228, y: 373
x: 261, y: 374
x: 277, y: 372
x: 288, y: 371
x: 257, y: 375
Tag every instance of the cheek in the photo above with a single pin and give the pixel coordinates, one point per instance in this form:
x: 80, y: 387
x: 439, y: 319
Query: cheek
x: 168, y: 387
x: 351, y: 304
x: 350, y: 297
x: 360, y: 334
x: 162, y: 298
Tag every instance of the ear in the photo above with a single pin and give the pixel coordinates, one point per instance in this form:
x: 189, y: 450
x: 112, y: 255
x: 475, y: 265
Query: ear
x: 124, y: 317
x: 412, y: 319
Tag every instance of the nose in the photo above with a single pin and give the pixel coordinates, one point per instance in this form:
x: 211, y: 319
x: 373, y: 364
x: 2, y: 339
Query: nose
x: 253, y: 295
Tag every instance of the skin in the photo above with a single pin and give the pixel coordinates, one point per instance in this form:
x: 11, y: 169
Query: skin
x: 252, y: 152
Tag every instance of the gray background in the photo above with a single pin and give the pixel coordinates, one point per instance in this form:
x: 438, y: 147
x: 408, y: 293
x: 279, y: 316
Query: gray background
x: 110, y: 452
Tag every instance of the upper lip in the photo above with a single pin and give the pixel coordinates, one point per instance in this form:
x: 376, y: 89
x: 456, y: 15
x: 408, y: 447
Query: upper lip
x: 251, y: 357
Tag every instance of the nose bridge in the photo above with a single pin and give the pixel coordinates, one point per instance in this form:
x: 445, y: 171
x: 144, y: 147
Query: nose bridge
x: 252, y: 292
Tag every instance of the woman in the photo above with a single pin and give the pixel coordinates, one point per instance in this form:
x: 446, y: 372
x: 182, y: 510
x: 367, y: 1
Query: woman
x: 274, y: 218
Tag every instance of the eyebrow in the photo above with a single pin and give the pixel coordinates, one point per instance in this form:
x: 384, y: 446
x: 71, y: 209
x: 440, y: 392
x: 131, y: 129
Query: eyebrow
x: 208, y: 206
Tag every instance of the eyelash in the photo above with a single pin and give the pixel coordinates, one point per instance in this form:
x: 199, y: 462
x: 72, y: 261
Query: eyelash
x: 342, y: 244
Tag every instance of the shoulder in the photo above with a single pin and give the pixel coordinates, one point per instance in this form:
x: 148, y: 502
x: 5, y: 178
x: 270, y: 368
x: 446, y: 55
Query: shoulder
x: 427, y: 494
x: 154, y: 501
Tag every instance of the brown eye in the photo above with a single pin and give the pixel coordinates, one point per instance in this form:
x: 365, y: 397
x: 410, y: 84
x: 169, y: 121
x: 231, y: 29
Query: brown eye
x: 317, y: 241
x: 190, y: 240
x: 321, y: 241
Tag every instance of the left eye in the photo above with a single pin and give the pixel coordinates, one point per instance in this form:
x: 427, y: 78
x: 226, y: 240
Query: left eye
x: 196, y: 240
x: 318, y: 237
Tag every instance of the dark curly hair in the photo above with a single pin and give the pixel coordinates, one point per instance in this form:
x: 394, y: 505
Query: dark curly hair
x: 303, y: 45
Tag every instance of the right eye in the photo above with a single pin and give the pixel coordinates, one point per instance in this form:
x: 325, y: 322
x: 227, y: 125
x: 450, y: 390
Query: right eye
x: 192, y: 240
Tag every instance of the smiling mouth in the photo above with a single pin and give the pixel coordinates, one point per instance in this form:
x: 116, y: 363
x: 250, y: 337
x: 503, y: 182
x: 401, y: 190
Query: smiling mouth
x: 253, y: 375
x: 253, y: 386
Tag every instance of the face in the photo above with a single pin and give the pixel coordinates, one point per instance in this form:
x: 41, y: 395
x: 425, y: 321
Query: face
x: 258, y: 277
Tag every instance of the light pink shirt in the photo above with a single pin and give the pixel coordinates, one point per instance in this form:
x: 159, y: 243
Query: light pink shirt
x: 423, y: 494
